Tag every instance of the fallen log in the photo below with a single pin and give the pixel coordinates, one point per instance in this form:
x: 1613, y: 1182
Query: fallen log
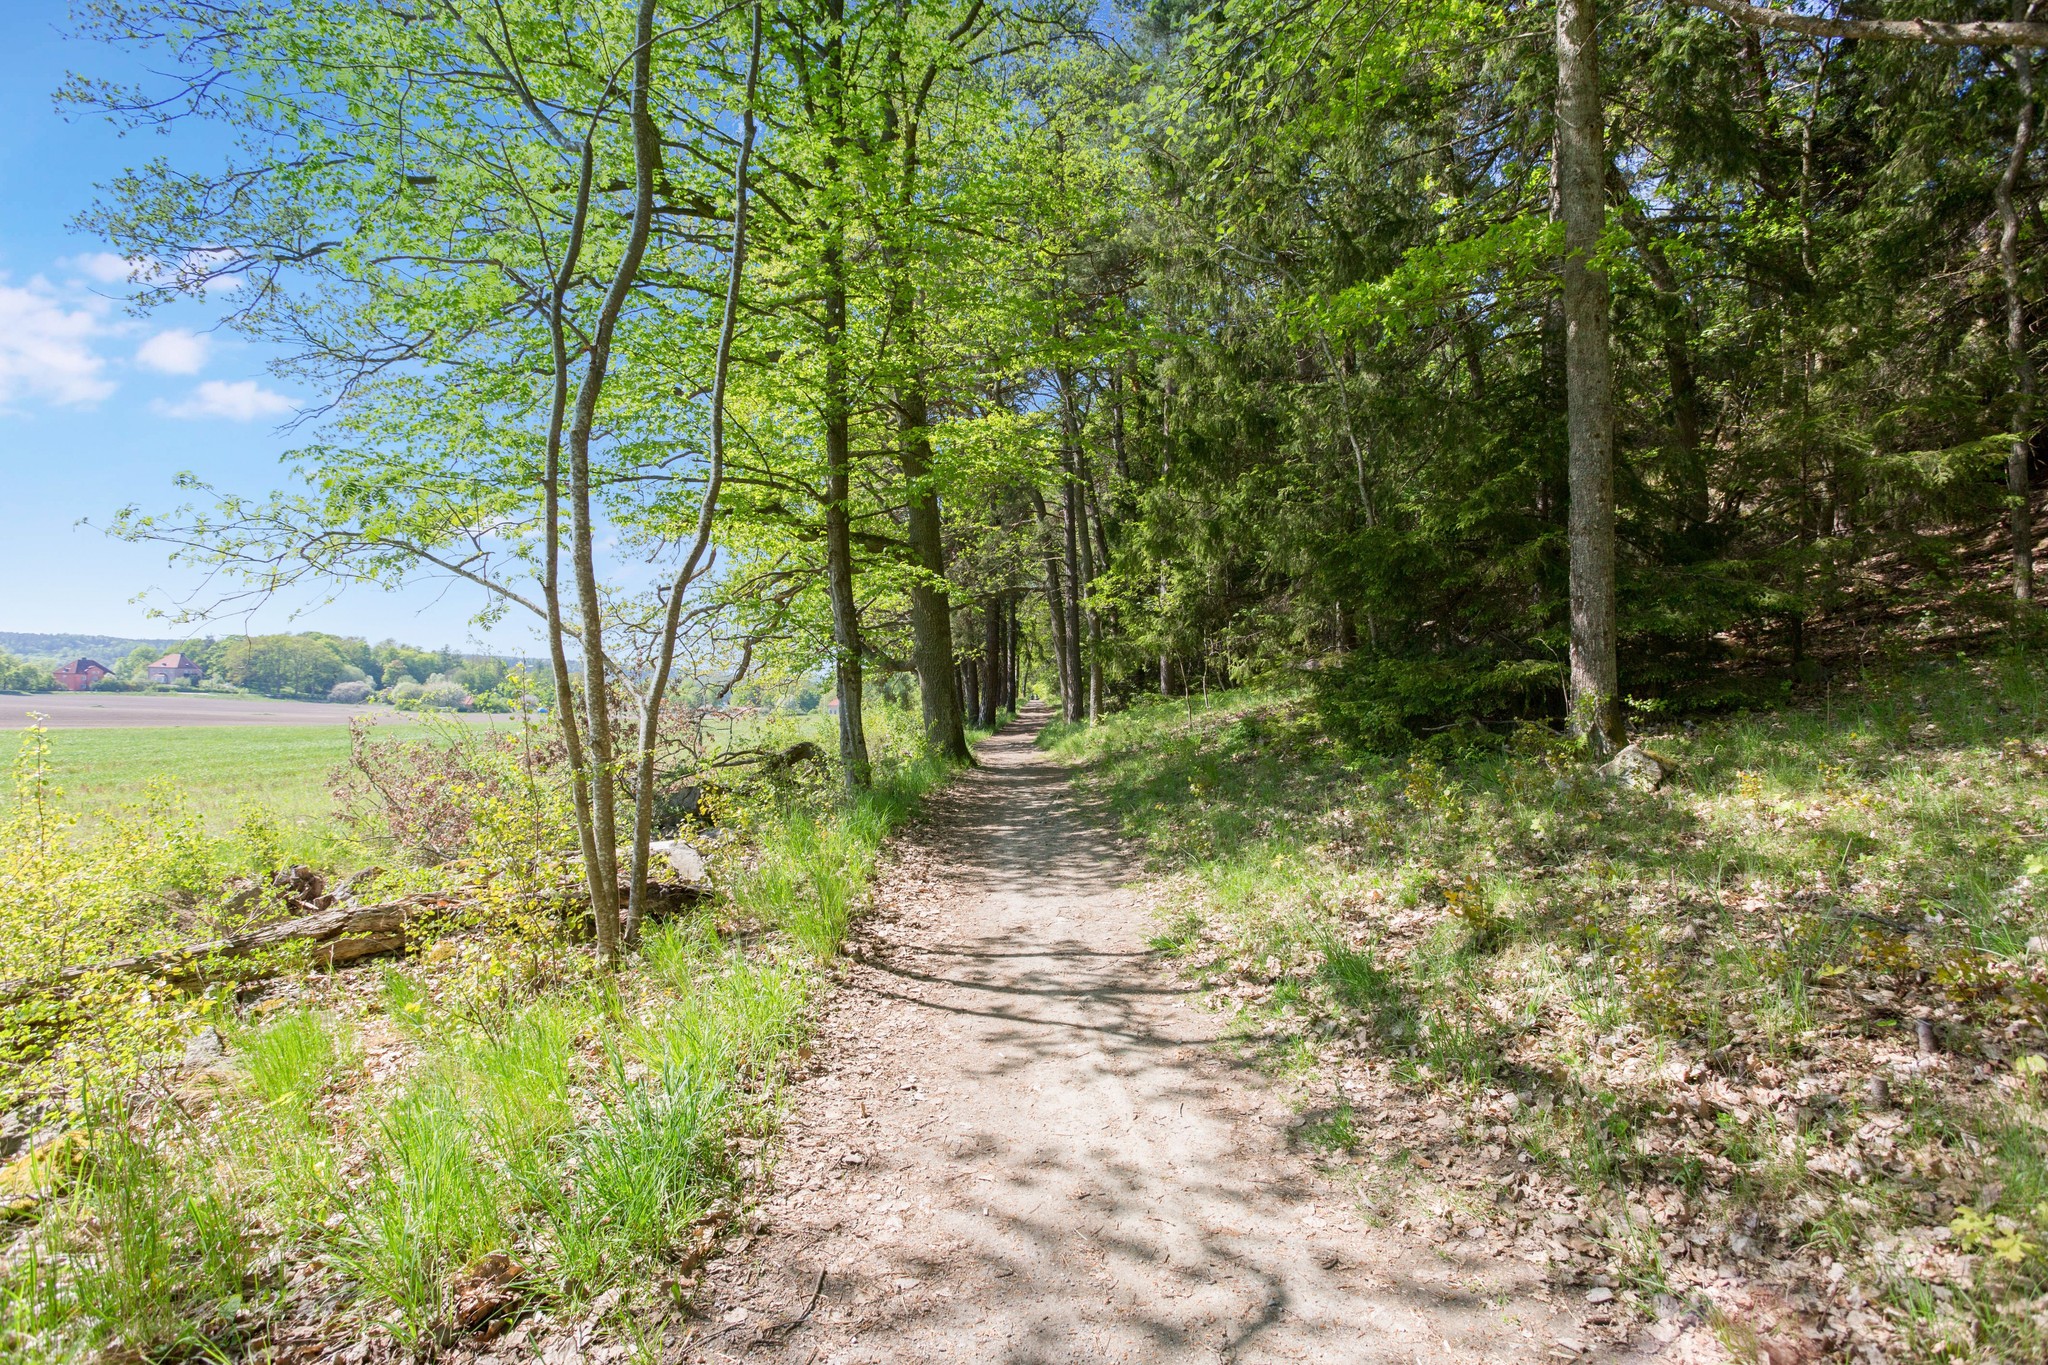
x: 338, y: 936
x: 333, y: 937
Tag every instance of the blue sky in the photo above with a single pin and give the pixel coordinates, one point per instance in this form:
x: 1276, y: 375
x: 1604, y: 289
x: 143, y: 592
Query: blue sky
x: 99, y: 408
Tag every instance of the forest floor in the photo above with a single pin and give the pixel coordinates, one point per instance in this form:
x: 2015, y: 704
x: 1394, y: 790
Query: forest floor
x: 1019, y: 1141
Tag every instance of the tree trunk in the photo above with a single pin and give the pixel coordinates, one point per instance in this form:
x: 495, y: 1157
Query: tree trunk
x: 1012, y: 653
x: 837, y: 420
x: 1073, y: 683
x: 604, y: 878
x: 567, y: 718
x: 700, y: 546
x: 931, y: 609
x: 2019, y: 480
x: 1055, y: 601
x: 1073, y: 686
x: 1687, y: 410
x: 995, y: 684
x: 1082, y: 490
x: 846, y: 645
x: 1595, y: 689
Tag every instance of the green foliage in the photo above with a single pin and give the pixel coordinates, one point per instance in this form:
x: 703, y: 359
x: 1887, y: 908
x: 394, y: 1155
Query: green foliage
x: 145, y: 1256
x: 1386, y: 703
x: 290, y: 1062
x: 286, y: 665
x: 17, y: 676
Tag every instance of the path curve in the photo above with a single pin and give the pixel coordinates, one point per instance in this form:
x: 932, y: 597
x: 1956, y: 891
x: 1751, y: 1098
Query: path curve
x: 1019, y: 1143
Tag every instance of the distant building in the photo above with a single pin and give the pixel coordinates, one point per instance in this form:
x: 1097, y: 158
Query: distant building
x: 79, y: 674
x: 175, y: 668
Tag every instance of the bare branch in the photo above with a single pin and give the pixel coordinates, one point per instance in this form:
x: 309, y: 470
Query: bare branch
x: 1941, y: 33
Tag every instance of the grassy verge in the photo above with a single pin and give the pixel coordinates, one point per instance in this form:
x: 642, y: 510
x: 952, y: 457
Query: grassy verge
x: 488, y: 1139
x: 1765, y: 1043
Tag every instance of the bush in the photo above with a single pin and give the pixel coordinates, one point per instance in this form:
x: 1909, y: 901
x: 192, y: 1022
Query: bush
x: 110, y: 683
x: 147, y: 877
x: 430, y: 798
x: 444, y: 694
x: 405, y: 689
x: 1383, y: 703
x: 350, y: 692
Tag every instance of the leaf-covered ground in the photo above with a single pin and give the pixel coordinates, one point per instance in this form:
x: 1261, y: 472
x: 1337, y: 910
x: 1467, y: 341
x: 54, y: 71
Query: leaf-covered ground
x: 1761, y: 1047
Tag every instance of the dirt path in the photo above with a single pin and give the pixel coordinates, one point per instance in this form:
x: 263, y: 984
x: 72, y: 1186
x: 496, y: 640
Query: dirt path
x: 1020, y: 1145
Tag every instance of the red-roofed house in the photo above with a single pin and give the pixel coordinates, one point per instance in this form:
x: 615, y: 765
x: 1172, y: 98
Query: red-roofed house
x: 79, y: 674
x: 175, y: 668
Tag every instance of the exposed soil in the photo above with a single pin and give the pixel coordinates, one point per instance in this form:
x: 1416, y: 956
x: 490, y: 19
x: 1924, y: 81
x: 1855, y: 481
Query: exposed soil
x: 1020, y: 1143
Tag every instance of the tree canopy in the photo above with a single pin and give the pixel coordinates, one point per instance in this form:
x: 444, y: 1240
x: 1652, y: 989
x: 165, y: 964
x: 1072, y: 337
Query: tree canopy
x: 1537, y: 359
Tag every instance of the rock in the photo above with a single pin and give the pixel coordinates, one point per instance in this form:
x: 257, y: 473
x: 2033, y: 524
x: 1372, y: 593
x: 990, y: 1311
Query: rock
x: 1600, y: 1295
x: 46, y: 1169
x: 1636, y: 767
x: 686, y: 862
x: 205, y: 1047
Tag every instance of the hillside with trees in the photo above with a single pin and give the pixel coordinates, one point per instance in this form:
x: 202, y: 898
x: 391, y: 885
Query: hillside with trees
x: 1528, y: 511
x: 306, y: 665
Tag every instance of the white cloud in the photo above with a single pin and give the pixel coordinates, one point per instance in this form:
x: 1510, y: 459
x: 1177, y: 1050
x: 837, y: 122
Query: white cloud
x: 176, y: 351
x: 46, y: 346
x: 103, y: 266
x: 242, y: 400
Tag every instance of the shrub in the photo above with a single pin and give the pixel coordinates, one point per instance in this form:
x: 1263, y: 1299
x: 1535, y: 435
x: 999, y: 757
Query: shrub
x: 148, y: 878
x: 1383, y: 703
x: 444, y: 694
x: 351, y: 692
x: 431, y: 797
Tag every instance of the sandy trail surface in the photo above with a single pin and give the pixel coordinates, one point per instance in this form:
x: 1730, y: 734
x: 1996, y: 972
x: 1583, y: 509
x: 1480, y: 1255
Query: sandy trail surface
x: 1020, y: 1144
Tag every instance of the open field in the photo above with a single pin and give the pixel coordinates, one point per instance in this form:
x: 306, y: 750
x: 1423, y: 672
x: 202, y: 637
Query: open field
x: 102, y: 710
x: 221, y: 769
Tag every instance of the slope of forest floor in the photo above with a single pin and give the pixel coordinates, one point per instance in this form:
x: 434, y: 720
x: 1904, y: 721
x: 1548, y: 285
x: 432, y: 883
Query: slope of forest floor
x: 1763, y: 1046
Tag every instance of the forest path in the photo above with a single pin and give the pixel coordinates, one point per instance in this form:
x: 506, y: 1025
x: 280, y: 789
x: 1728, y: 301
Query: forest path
x: 1019, y: 1143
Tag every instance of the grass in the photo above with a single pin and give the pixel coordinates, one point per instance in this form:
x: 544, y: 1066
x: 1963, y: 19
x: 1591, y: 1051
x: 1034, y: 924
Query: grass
x: 222, y: 769
x: 1666, y: 1008
x: 368, y: 1151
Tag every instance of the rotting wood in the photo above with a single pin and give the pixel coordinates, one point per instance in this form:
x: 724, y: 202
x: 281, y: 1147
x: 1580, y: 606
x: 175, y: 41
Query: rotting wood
x: 338, y: 936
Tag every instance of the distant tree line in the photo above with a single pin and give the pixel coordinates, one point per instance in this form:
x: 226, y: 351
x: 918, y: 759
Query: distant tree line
x: 308, y: 665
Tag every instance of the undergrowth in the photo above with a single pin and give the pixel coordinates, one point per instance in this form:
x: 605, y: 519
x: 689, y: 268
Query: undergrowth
x: 1779, y: 1023
x: 421, y: 1150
